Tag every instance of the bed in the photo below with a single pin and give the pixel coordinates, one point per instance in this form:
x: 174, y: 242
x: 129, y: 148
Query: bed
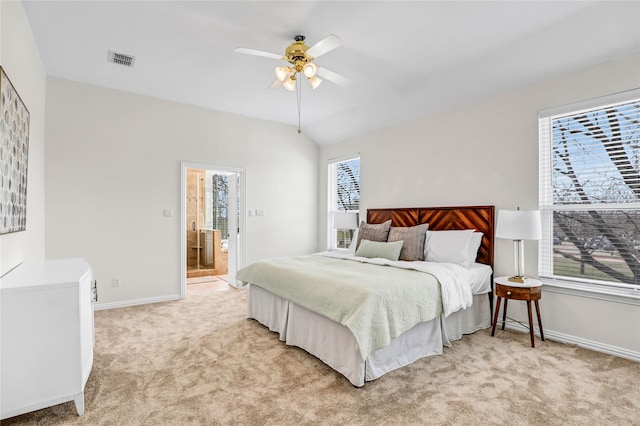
x: 341, y: 340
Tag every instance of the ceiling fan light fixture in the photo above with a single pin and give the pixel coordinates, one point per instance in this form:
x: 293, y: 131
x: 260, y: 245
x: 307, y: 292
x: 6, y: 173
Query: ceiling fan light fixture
x: 290, y: 84
x: 300, y: 58
x: 315, y: 82
x: 310, y: 70
x: 282, y: 73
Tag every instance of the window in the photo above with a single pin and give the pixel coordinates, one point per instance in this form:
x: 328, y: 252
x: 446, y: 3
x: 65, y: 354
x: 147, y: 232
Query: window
x: 590, y: 192
x: 217, y: 202
x: 344, y: 201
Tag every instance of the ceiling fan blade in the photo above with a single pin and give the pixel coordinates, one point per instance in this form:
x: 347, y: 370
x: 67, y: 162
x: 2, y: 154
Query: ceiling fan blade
x: 276, y: 84
x: 258, y: 53
x: 333, y: 77
x: 325, y: 45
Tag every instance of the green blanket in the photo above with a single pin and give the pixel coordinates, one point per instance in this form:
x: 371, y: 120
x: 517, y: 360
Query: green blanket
x: 376, y: 303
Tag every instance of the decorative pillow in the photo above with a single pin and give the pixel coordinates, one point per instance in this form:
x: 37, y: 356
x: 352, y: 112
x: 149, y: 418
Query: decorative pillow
x: 474, y: 246
x: 413, y: 237
x: 448, y: 246
x: 371, y: 249
x: 373, y: 232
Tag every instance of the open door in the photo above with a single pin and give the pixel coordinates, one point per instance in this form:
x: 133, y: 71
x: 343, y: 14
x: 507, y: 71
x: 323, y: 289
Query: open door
x: 234, y: 227
x: 220, y: 205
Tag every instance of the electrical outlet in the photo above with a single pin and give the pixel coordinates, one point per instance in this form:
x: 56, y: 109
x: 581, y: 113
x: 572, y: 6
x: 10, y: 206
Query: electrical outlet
x: 116, y: 281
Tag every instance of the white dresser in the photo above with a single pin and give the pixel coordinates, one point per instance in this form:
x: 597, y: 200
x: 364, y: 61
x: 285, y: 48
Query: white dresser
x: 47, y: 339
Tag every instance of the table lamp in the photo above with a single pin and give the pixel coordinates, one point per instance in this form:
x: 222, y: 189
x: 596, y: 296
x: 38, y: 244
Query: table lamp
x: 519, y: 225
x: 345, y: 220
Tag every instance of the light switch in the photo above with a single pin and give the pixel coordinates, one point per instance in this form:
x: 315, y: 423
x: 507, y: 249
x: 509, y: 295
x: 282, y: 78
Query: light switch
x: 250, y: 212
x: 167, y: 212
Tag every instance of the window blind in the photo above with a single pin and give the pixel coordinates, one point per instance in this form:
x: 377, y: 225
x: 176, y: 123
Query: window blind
x: 590, y: 191
x: 344, y: 195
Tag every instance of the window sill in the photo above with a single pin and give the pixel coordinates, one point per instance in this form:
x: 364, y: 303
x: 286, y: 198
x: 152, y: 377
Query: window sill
x: 611, y: 294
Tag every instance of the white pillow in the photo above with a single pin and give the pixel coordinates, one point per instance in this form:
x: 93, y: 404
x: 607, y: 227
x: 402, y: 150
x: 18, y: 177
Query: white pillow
x: 474, y: 246
x: 448, y: 246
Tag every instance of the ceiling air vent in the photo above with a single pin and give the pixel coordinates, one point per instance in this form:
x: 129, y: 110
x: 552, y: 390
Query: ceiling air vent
x: 121, y: 58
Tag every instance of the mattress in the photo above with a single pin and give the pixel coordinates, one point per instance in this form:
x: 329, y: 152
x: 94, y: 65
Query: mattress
x: 479, y: 276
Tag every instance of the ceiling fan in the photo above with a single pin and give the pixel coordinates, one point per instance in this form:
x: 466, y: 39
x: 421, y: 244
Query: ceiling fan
x: 301, y: 59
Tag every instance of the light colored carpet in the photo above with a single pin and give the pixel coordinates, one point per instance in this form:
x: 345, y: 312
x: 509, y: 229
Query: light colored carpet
x: 200, y: 361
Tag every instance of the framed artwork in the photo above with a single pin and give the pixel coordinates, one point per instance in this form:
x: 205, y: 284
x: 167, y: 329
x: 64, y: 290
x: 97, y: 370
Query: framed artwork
x: 14, y: 151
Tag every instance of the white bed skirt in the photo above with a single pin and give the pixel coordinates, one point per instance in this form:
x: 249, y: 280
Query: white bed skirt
x: 335, y: 345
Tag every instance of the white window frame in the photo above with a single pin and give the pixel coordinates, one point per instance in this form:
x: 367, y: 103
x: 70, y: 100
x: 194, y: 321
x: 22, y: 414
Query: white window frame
x: 567, y: 285
x: 332, y: 202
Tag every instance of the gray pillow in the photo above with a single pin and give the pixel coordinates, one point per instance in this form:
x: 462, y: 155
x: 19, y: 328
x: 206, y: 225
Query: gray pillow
x: 371, y: 249
x: 413, y: 237
x: 373, y: 232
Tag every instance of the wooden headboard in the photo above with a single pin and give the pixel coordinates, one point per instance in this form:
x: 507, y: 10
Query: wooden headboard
x: 480, y: 218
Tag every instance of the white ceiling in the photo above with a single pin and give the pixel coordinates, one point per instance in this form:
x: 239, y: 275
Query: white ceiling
x: 404, y: 58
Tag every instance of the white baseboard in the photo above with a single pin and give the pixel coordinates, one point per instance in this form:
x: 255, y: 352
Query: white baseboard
x: 127, y: 303
x: 549, y: 334
x: 579, y: 341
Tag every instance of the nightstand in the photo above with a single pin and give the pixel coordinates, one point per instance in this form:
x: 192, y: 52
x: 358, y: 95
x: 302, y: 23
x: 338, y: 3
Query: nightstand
x: 530, y: 290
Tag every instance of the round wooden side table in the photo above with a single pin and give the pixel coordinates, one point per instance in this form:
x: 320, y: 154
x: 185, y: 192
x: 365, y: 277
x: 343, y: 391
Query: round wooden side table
x: 530, y: 290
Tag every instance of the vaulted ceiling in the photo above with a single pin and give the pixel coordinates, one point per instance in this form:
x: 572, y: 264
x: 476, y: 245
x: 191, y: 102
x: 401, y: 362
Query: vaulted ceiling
x: 404, y: 59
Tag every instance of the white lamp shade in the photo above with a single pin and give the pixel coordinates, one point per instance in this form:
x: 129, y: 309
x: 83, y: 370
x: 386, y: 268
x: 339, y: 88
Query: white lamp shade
x: 290, y: 84
x: 519, y: 225
x: 282, y: 73
x: 345, y: 220
x: 315, y: 82
x: 309, y: 70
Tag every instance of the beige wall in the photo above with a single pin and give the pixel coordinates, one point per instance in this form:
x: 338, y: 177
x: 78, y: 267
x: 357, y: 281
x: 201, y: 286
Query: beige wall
x: 21, y: 62
x: 486, y: 153
x: 113, y: 166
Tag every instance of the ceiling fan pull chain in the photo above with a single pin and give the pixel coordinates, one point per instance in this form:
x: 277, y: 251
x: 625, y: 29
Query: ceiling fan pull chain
x: 299, y: 99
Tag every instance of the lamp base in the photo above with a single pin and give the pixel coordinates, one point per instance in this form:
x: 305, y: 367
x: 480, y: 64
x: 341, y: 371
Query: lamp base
x: 517, y: 279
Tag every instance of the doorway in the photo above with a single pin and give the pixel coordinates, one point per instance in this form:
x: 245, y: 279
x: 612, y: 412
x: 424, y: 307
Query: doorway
x: 212, y: 235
